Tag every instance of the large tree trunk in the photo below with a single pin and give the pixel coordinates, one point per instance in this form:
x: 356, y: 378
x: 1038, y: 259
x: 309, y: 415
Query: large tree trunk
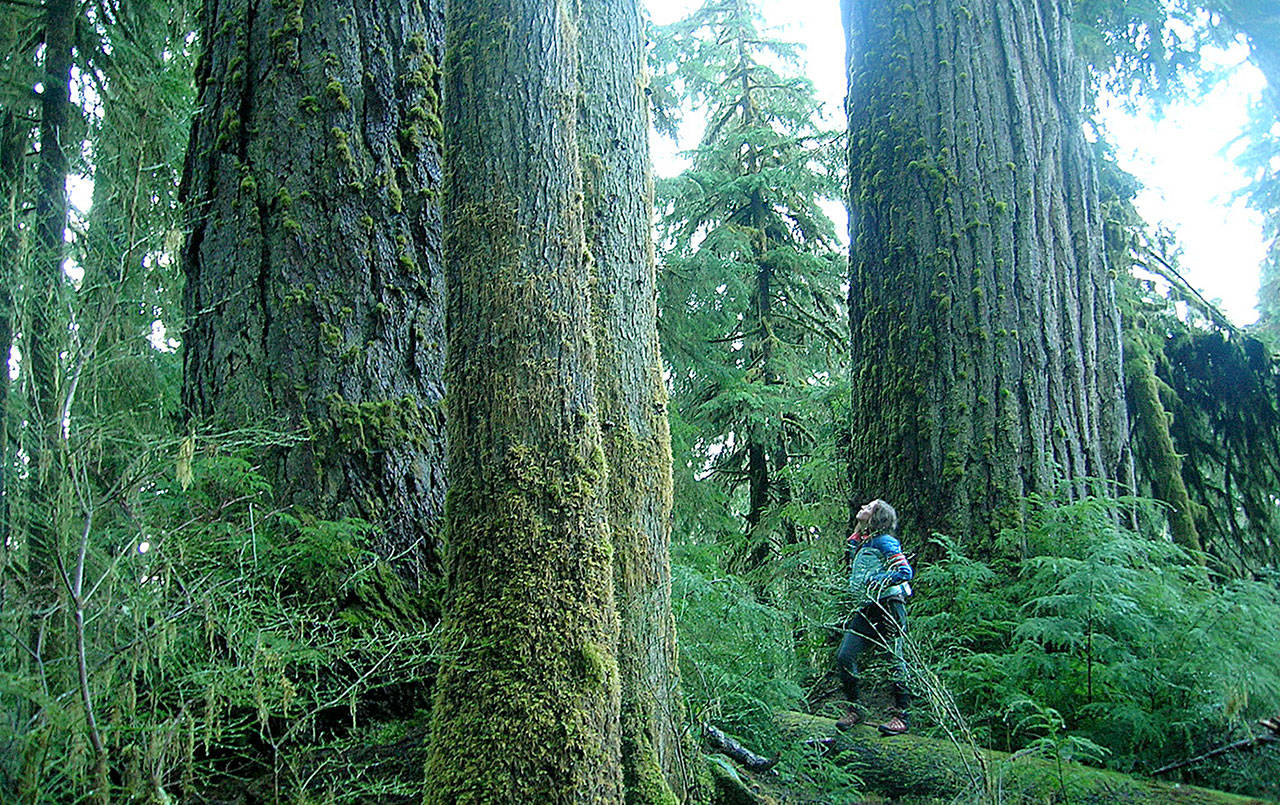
x: 986, y: 339
x: 632, y: 398
x: 527, y: 698
x: 314, y: 295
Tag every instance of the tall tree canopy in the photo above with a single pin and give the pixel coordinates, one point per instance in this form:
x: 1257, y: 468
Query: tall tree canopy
x: 985, y: 333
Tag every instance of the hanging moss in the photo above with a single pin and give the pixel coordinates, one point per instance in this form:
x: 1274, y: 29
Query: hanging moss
x: 1151, y: 422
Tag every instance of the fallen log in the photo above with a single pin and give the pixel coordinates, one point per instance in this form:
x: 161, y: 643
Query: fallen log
x: 922, y: 768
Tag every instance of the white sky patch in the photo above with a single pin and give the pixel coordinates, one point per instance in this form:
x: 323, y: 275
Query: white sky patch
x: 1184, y: 159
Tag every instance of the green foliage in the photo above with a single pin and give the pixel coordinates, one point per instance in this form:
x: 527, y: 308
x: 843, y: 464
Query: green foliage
x: 751, y: 310
x: 1218, y: 385
x: 1139, y: 48
x: 737, y: 661
x: 1094, y: 642
x: 229, y: 648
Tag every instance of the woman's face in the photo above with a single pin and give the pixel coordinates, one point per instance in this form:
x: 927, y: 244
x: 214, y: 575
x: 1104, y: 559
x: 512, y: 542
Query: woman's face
x: 864, y: 514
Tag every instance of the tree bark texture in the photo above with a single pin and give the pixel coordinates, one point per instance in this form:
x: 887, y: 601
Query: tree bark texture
x: 632, y: 398
x: 986, y: 338
x: 527, y: 698
x: 314, y: 283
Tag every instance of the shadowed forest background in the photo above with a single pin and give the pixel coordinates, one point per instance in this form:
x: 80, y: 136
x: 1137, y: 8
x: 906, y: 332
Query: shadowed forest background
x: 377, y: 428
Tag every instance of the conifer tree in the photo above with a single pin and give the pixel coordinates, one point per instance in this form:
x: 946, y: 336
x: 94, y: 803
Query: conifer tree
x: 985, y: 331
x: 751, y: 277
x: 526, y: 704
x: 314, y: 291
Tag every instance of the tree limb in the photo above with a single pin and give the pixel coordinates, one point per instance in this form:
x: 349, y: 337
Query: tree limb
x: 1273, y: 736
x: 731, y: 748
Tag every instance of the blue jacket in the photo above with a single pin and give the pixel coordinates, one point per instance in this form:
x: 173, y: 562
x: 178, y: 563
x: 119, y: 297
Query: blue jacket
x: 878, y: 569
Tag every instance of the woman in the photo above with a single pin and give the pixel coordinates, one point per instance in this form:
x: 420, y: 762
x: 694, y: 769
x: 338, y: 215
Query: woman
x: 878, y: 576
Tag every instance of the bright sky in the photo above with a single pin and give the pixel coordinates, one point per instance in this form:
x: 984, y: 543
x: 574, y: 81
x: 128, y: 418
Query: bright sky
x: 1183, y: 160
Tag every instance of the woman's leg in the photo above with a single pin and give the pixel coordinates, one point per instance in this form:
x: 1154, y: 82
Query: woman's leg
x: 857, y: 632
x: 897, y: 612
x: 854, y: 642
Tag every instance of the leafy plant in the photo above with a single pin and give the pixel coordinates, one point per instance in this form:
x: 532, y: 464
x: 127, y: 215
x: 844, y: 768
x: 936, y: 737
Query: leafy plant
x: 1088, y: 635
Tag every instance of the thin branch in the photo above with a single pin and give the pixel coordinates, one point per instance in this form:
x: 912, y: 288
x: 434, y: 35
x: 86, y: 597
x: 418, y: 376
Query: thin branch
x: 1247, y: 743
x: 1166, y: 270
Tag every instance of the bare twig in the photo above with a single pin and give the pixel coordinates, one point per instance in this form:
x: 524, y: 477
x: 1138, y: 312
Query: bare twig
x: 1245, y: 744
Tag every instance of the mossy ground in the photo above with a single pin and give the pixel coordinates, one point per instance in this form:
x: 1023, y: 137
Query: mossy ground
x: 916, y: 768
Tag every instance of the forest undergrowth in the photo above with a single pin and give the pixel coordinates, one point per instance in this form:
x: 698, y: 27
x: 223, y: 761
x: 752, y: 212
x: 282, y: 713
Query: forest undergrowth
x: 1082, y: 639
x: 244, y: 651
x: 230, y: 650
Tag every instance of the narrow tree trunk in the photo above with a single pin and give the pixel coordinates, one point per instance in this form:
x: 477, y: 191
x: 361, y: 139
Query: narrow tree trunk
x: 613, y: 120
x: 986, y: 348
x: 314, y: 293
x: 14, y: 143
x: 46, y: 335
x: 13, y: 147
x: 527, y: 698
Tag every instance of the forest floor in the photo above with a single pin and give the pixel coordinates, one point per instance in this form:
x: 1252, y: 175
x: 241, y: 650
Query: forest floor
x: 915, y: 768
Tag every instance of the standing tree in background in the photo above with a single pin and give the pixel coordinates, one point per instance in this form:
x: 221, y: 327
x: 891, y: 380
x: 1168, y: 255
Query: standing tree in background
x: 47, y: 509
x: 985, y: 333
x: 20, y: 37
x: 632, y: 398
x: 130, y: 292
x: 314, y: 286
x: 526, y: 704
x: 751, y: 277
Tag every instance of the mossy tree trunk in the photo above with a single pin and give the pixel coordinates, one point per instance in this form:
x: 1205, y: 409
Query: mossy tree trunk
x: 1151, y: 432
x: 632, y: 398
x: 985, y: 333
x: 314, y: 286
x: 527, y: 697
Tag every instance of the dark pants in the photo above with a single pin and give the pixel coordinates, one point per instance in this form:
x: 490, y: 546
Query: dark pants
x: 882, y: 624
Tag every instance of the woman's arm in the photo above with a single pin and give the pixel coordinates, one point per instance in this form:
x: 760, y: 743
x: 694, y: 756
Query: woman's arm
x: 897, y: 568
